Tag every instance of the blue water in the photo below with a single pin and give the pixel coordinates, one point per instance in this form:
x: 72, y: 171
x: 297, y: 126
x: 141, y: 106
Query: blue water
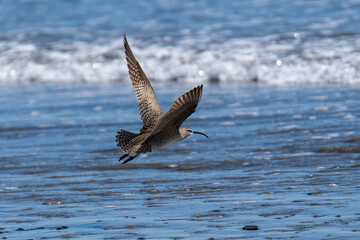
x: 280, y: 104
x: 270, y: 42
x: 59, y: 20
x: 283, y: 158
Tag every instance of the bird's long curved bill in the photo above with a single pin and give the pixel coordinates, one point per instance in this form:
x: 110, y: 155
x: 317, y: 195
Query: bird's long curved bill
x: 201, y: 133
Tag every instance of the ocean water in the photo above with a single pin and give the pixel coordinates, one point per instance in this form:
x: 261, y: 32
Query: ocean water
x: 268, y: 42
x: 280, y: 105
x: 283, y: 158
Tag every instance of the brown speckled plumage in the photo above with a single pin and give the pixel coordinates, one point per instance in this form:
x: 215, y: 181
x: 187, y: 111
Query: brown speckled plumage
x: 158, y: 129
x: 149, y: 107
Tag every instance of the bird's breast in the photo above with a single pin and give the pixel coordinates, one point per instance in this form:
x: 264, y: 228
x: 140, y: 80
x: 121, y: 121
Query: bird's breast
x: 165, y: 139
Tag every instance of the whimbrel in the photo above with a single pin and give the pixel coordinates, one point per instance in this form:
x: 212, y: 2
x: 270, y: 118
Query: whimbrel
x: 158, y: 129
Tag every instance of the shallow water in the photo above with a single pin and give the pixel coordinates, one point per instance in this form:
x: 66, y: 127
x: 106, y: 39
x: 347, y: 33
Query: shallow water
x: 283, y: 158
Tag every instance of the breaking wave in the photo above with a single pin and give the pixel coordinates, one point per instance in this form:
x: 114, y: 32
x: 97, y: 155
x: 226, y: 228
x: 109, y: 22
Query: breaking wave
x: 293, y: 59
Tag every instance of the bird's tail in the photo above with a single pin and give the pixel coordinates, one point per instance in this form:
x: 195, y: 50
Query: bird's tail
x: 124, y: 137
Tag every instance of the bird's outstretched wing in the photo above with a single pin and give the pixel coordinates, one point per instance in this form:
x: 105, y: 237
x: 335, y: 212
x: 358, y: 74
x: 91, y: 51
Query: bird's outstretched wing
x: 181, y: 109
x: 149, y: 107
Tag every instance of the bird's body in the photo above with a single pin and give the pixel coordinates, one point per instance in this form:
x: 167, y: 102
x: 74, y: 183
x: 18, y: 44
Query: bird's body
x: 158, y: 129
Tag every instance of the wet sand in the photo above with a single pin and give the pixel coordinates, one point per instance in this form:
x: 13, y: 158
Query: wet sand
x: 285, y: 159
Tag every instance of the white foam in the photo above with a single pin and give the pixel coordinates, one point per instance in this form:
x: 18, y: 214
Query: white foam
x: 241, y: 113
x: 328, y: 136
x: 320, y: 137
x: 333, y: 135
x: 228, y: 123
x: 289, y: 127
x: 350, y: 117
x: 321, y: 109
x: 262, y: 60
x: 302, y: 154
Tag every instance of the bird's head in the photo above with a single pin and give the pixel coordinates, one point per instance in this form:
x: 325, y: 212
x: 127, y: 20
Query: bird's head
x: 186, y: 131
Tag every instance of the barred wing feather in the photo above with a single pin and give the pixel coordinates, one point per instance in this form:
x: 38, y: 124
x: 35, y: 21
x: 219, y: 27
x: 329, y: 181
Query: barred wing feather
x: 181, y: 109
x: 149, y: 107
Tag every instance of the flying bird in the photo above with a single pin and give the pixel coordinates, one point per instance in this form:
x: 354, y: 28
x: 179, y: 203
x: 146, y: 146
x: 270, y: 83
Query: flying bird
x: 158, y: 129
